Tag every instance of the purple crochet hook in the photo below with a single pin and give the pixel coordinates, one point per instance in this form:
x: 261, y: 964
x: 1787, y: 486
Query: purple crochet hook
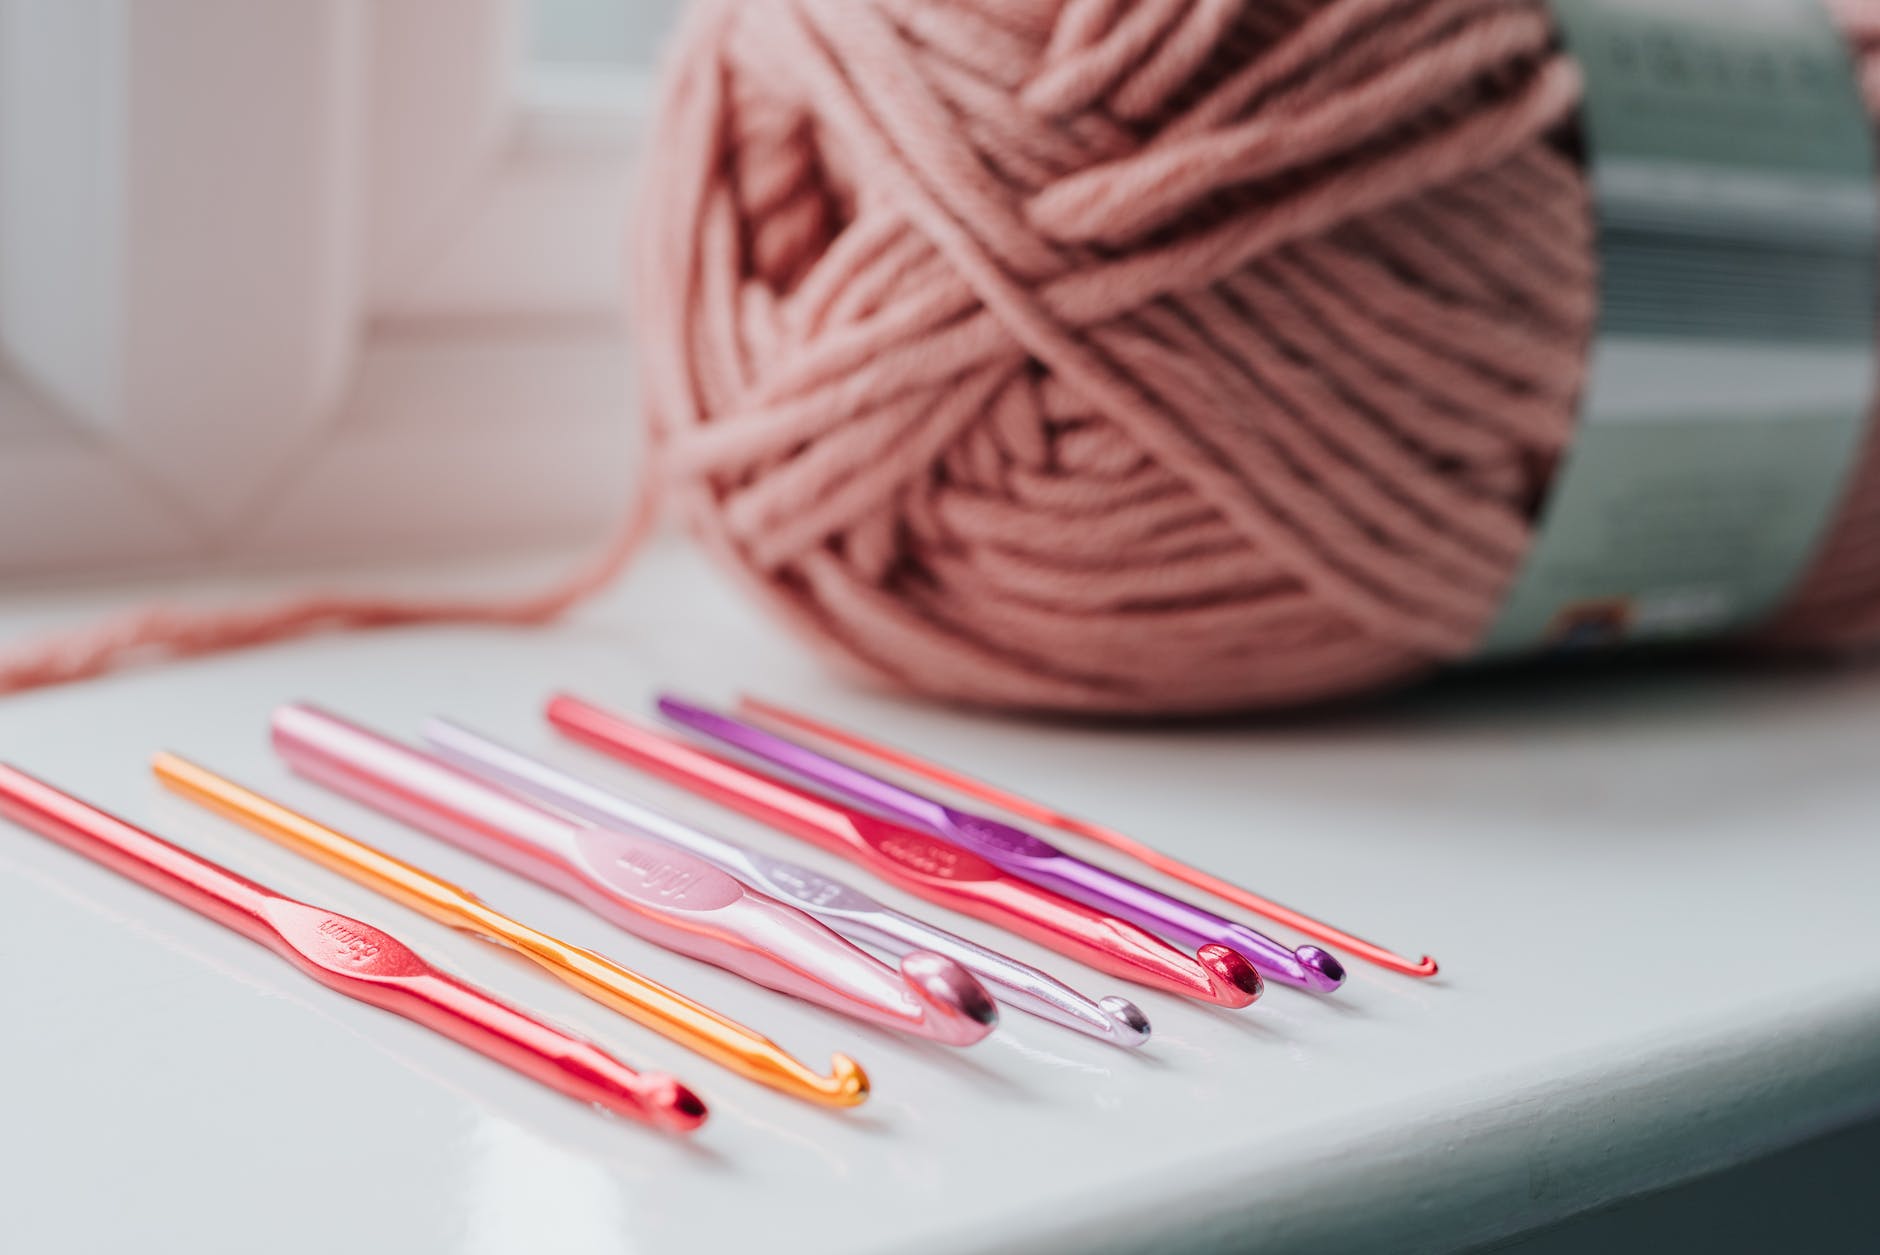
x: 1022, y: 854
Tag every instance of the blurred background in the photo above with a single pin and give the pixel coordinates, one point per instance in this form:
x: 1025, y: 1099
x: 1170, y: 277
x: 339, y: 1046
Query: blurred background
x: 284, y: 283
x: 298, y: 283
x: 597, y: 32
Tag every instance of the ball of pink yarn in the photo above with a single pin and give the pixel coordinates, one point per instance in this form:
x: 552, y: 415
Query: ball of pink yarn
x: 1142, y: 356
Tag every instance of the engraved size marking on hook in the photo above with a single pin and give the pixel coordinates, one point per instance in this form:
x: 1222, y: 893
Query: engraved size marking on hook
x: 816, y: 890
x: 929, y: 857
x: 1002, y: 837
x: 354, y: 945
x: 658, y: 877
x: 669, y: 879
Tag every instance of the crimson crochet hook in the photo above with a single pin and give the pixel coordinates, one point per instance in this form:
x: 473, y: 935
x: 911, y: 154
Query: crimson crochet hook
x: 665, y: 895
x: 352, y: 958
x: 1038, y: 813
x: 923, y: 864
x: 1021, y: 853
x: 843, y: 907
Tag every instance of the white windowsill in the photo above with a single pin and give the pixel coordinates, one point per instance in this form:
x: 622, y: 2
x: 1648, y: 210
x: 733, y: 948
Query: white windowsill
x: 1652, y: 900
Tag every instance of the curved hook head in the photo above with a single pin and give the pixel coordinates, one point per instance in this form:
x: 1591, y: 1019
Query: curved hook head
x: 847, y: 1085
x: 671, y: 1106
x: 1233, y: 979
x: 1128, y: 1025
x: 960, y: 1010
x: 1322, y: 969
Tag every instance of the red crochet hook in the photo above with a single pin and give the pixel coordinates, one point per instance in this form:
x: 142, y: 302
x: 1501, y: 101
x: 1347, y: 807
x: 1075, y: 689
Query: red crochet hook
x: 350, y: 957
x: 920, y: 863
x: 1039, y: 813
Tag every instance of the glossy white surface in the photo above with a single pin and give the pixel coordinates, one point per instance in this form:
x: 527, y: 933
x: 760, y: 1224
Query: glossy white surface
x: 1654, y: 897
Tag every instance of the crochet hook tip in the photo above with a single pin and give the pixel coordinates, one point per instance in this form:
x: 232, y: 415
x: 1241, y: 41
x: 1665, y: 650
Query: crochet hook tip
x: 1422, y: 968
x: 1128, y: 1025
x: 1234, y: 980
x: 963, y: 1012
x: 847, y: 1085
x: 1323, y: 971
x: 673, y: 1106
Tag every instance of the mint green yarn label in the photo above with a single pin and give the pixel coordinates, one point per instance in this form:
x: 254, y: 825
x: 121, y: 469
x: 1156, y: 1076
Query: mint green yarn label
x: 1732, y: 369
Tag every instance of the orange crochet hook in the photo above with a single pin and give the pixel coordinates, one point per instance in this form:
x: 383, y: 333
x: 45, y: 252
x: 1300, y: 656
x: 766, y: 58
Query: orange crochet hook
x: 646, y: 1001
x: 1039, y: 813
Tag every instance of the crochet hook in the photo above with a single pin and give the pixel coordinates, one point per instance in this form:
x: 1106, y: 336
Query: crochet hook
x: 921, y: 863
x: 665, y: 895
x: 640, y: 999
x: 351, y: 958
x: 844, y: 908
x: 1039, y: 813
x: 1021, y: 853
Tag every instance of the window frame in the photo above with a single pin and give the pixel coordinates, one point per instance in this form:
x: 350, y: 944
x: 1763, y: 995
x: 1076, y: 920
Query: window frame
x: 441, y: 358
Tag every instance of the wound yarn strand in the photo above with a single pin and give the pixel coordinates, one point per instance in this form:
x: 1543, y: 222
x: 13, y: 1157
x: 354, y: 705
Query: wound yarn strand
x: 1079, y: 355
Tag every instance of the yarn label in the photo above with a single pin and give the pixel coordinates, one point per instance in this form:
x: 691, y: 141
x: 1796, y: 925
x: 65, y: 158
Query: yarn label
x: 1732, y: 369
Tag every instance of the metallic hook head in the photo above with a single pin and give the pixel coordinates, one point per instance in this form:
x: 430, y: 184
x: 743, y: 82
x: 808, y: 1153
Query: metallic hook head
x: 1321, y: 967
x: 1128, y: 1025
x: 848, y: 1084
x: 1235, y: 981
x: 672, y: 1106
x: 962, y: 1009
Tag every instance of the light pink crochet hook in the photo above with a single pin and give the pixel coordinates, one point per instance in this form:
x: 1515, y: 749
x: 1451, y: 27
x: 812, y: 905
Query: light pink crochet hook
x: 841, y: 906
x: 667, y: 896
x: 919, y: 862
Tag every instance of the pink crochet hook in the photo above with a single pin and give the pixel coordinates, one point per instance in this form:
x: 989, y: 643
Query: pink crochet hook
x: 921, y: 863
x: 841, y: 906
x: 1021, y: 853
x: 667, y: 896
x: 1038, y: 813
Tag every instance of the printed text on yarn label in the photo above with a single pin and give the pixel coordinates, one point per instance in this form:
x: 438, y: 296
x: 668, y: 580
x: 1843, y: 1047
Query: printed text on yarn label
x: 1732, y: 370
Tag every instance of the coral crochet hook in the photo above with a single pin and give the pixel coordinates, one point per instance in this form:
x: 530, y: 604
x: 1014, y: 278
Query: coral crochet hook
x: 351, y: 958
x: 1039, y: 813
x: 1021, y: 853
x: 648, y: 888
x: 844, y: 908
x: 645, y: 1001
x: 928, y: 866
